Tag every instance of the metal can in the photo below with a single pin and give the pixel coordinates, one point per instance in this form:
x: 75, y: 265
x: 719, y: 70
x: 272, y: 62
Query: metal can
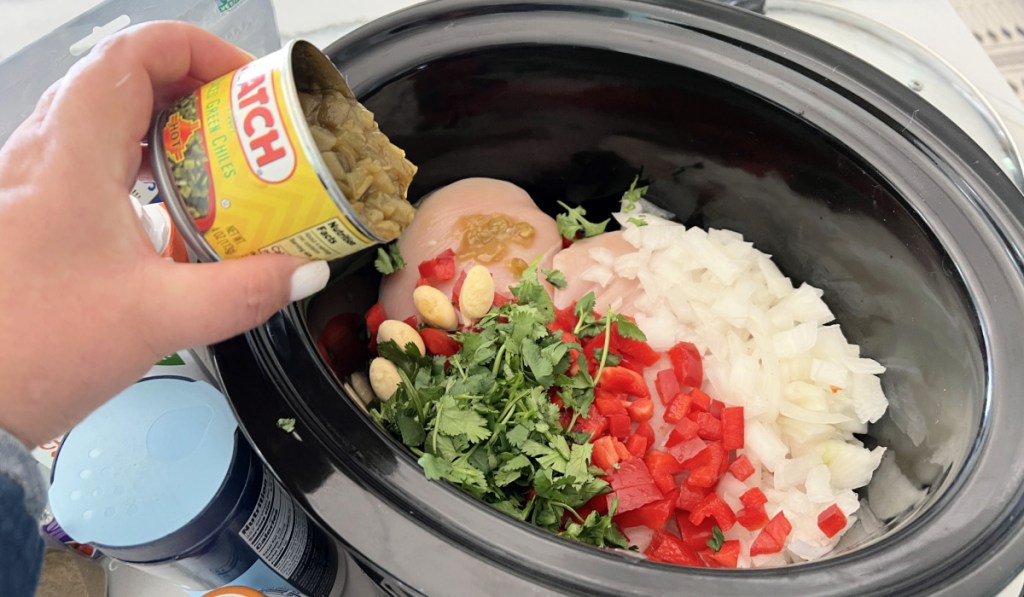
x: 241, y: 171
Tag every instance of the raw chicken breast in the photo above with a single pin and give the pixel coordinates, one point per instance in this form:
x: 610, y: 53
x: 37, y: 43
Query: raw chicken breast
x: 436, y: 229
x: 589, y: 265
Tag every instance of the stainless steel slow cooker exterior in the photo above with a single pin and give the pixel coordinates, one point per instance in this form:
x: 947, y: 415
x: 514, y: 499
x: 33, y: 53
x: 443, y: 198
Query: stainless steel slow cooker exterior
x: 812, y: 154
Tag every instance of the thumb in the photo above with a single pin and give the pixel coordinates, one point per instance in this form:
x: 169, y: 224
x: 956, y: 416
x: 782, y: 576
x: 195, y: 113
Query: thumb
x: 203, y: 303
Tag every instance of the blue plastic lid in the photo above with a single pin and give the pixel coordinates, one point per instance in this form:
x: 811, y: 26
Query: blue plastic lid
x: 143, y: 465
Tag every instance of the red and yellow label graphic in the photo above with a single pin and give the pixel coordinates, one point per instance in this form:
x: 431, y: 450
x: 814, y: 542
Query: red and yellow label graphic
x: 265, y: 196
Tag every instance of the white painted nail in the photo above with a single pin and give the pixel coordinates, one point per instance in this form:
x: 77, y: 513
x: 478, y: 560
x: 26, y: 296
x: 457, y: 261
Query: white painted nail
x: 309, y: 279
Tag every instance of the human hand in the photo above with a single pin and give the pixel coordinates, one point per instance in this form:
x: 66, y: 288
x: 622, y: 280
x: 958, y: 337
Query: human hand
x: 86, y: 305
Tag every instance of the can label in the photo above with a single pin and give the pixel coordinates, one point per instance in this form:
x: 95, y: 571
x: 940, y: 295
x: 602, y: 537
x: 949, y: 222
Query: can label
x: 278, y: 531
x: 243, y: 175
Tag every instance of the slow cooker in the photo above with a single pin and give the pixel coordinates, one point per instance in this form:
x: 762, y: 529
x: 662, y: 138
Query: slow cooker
x: 848, y: 179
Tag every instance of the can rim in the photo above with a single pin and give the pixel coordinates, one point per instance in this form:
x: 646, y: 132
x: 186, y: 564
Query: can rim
x: 305, y: 136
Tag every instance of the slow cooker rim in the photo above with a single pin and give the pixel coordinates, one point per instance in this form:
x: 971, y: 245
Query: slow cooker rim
x: 443, y: 4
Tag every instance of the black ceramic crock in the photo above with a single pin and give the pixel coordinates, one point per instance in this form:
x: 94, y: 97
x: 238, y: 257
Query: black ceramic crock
x: 849, y: 179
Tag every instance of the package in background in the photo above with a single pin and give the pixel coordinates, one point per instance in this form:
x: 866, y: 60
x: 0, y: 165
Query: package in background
x: 249, y: 24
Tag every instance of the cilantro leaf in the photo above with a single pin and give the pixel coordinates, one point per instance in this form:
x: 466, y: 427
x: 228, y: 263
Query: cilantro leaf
x: 572, y: 223
x: 716, y: 540
x: 628, y: 329
x: 542, y: 368
x: 633, y: 195
x: 453, y: 419
x: 411, y: 430
x: 611, y: 360
x: 433, y: 467
x: 389, y: 259
x: 512, y: 470
x: 556, y: 278
x: 286, y: 424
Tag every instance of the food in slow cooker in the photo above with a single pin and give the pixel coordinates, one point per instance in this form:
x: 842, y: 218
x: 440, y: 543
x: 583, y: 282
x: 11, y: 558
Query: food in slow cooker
x: 373, y: 174
x: 659, y: 388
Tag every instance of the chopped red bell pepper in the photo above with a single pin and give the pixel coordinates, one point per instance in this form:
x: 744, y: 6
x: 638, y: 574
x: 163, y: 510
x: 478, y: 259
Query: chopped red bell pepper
x: 621, y: 450
x: 631, y: 498
x: 637, y: 445
x: 641, y: 410
x: 637, y: 351
x: 753, y: 515
x: 671, y: 550
x: 605, y: 455
x: 341, y: 346
x: 660, y: 463
x: 716, y: 408
x: 644, y: 429
x: 653, y: 515
x: 623, y: 380
x: 831, y: 521
x: 725, y: 557
x: 772, y: 538
x: 753, y: 498
x: 608, y: 404
x: 687, y: 449
x: 667, y: 484
x: 714, y: 506
x: 706, y: 467
x: 732, y: 428
x: 741, y: 468
x: 438, y: 342
x: 667, y: 385
x: 410, y: 321
x: 678, y: 409
x: 686, y: 363
x: 708, y: 427
x: 599, y: 504
x: 619, y: 425
x: 457, y: 288
x: 684, y: 430
x: 500, y: 299
x: 689, y: 497
x: 374, y: 317
x: 439, y: 268
x: 694, y: 536
x: 596, y: 424
x: 752, y: 518
x: 699, y: 400
x: 565, y: 319
x: 633, y: 484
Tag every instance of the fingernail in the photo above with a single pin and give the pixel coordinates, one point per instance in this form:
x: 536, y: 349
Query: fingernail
x: 309, y: 279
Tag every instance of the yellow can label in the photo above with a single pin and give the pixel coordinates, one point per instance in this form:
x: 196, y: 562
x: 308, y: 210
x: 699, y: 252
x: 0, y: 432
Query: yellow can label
x: 243, y: 175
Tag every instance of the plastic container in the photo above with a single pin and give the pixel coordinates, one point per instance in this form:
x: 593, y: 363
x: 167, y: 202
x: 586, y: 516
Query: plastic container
x: 850, y: 180
x: 161, y: 477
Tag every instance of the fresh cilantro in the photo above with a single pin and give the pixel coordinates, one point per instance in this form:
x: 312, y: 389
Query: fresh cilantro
x: 632, y: 196
x: 389, y: 259
x: 628, y: 329
x: 611, y: 359
x: 484, y: 421
x: 716, y: 540
x: 286, y: 424
x: 638, y: 222
x: 555, y: 278
x: 572, y: 223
